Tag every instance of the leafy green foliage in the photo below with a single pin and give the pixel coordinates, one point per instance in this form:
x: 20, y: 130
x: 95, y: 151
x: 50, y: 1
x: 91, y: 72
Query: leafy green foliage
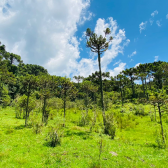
x: 58, y: 100
x: 20, y: 104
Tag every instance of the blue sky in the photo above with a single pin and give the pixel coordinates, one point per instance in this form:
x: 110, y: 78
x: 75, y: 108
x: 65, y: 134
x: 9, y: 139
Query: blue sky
x: 151, y: 42
x: 51, y: 33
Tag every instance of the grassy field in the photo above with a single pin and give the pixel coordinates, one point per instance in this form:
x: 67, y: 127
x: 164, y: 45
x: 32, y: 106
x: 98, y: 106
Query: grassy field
x: 136, y: 144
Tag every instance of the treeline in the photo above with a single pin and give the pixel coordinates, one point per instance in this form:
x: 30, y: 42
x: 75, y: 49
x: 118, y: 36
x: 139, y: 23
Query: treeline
x: 134, y: 84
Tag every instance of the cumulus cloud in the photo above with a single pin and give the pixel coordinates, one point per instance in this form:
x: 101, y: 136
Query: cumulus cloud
x: 156, y: 58
x: 43, y: 32
x: 167, y: 16
x: 158, y: 23
x: 154, y: 13
x: 142, y: 26
x: 118, y: 69
x: 137, y: 65
x: 133, y: 53
x: 87, y: 66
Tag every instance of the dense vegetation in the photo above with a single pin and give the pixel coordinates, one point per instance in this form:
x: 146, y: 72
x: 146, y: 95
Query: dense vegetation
x: 97, y: 121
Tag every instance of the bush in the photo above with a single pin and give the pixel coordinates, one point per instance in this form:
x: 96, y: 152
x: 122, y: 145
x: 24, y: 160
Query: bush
x: 54, y: 138
x: 35, y: 122
x: 139, y: 110
x: 55, y: 103
x: 80, y: 104
x: 5, y: 99
x: 110, y: 127
x: 84, y: 120
x: 37, y: 127
x: 123, y: 110
x: 20, y: 105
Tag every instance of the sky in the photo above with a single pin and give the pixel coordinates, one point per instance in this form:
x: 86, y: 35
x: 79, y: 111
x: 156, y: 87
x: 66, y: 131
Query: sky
x: 52, y: 33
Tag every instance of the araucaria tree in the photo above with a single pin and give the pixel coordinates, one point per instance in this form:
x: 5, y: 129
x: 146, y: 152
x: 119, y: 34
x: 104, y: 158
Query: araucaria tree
x: 47, y: 85
x: 99, y: 45
x: 29, y: 83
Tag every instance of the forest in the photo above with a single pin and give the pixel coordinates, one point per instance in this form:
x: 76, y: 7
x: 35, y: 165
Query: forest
x: 95, y: 121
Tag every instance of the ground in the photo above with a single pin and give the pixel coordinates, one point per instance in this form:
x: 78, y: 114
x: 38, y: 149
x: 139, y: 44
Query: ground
x: 137, y: 142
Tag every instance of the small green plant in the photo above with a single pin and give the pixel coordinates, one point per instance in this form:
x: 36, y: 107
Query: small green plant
x: 95, y: 165
x: 54, y: 138
x: 10, y: 130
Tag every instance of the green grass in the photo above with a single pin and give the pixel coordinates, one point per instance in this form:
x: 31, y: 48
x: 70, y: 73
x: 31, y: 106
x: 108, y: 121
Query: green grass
x: 135, y: 144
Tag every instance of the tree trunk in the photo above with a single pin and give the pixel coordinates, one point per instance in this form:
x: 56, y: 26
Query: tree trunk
x: 64, y: 107
x: 143, y: 86
x: 44, y: 110
x: 101, y: 87
x: 149, y: 84
x: 86, y: 104
x: 27, y: 105
x: 146, y: 89
x: 160, y: 115
x: 133, y: 91
x: 122, y: 97
x: 155, y: 112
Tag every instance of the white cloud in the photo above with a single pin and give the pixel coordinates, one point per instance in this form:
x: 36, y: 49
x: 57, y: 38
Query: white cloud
x: 154, y: 13
x: 156, y: 58
x: 151, y: 21
x: 167, y: 16
x: 43, y: 32
x: 86, y: 18
x: 126, y: 42
x: 116, y: 63
x: 137, y: 65
x: 118, y: 69
x: 133, y: 53
x: 142, y: 26
x: 87, y: 66
x: 158, y: 23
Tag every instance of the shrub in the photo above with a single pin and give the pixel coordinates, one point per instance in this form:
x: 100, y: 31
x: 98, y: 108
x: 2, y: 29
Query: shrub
x: 55, y: 103
x: 80, y: 104
x: 6, y: 101
x: 110, y: 127
x: 70, y: 105
x: 20, y: 105
x: 123, y: 110
x: 37, y: 127
x: 84, y: 119
x: 139, y: 110
x: 54, y: 138
x: 35, y: 122
x: 5, y: 98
